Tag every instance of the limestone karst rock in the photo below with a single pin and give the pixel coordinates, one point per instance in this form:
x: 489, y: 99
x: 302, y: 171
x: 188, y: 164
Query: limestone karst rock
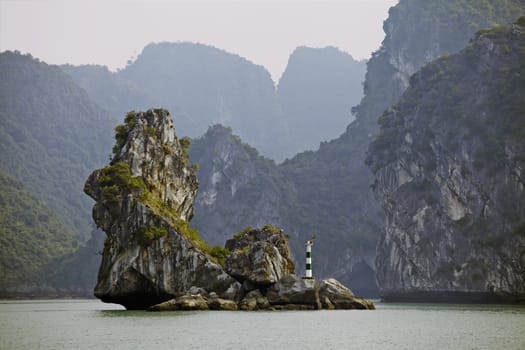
x: 448, y: 165
x: 143, y: 202
x: 294, y: 290
x: 152, y: 258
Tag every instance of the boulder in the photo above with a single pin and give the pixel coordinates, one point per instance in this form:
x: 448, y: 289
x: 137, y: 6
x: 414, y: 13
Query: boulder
x: 216, y: 303
x: 259, y: 257
x: 254, y: 301
x: 326, y: 304
x: 185, y: 303
x: 292, y: 289
x: 333, y: 294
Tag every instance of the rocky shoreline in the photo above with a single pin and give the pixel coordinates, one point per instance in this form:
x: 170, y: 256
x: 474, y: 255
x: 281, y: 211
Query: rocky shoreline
x: 292, y: 293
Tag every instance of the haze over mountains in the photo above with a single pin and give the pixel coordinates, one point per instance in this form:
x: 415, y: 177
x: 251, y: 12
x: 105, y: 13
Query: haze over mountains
x: 323, y: 191
x: 202, y: 86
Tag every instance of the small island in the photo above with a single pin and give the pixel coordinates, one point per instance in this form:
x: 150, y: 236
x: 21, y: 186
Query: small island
x: 153, y: 259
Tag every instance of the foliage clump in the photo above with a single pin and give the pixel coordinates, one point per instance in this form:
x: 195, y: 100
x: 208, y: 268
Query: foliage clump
x: 122, y: 131
x: 219, y: 254
x: 116, y: 180
x: 272, y: 229
x: 146, y: 234
x: 243, y: 232
x: 185, y: 146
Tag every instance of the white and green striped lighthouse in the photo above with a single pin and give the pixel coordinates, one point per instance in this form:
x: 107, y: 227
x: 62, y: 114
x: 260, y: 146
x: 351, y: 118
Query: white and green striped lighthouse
x: 309, y: 245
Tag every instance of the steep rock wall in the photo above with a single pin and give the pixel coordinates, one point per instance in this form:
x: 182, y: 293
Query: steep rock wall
x: 448, y: 164
x: 143, y: 202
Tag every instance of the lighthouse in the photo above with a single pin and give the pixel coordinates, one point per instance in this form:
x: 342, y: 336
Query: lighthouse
x: 309, y: 245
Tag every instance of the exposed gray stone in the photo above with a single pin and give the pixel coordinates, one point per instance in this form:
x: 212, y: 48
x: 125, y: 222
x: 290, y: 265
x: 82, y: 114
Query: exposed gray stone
x: 292, y: 289
x: 451, y: 181
x: 147, y: 256
x: 222, y: 304
x: 183, y: 303
x: 197, y: 290
x: 335, y: 295
x: 260, y: 257
x: 254, y: 300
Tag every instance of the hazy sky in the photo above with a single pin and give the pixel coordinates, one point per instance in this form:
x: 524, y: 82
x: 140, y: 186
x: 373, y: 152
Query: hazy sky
x: 265, y: 32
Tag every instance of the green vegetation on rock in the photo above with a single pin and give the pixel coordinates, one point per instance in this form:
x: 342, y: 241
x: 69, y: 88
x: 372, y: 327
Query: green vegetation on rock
x: 146, y: 234
x: 119, y: 174
x: 116, y: 182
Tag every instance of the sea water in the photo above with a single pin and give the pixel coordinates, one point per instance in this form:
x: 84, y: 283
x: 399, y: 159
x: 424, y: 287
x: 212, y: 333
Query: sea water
x: 90, y: 324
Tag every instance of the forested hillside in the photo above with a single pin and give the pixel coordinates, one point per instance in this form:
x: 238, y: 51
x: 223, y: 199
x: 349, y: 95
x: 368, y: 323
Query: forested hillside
x: 51, y: 135
x: 31, y: 236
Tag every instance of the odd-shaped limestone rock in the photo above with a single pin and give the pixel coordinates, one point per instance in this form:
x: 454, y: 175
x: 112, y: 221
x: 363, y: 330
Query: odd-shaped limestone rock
x: 334, y: 295
x: 294, y: 290
x: 143, y: 203
x: 259, y: 257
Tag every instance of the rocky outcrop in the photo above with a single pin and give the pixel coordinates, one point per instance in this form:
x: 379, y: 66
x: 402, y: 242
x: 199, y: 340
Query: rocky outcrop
x: 333, y: 294
x: 254, y: 300
x: 259, y: 257
x: 260, y: 260
x: 448, y: 174
x: 143, y: 201
x: 152, y: 259
x: 183, y: 303
x: 294, y: 290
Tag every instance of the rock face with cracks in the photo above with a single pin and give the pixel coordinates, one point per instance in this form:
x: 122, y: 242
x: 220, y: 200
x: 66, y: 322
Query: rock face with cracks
x: 143, y: 201
x: 259, y: 257
x: 260, y: 260
x: 448, y: 165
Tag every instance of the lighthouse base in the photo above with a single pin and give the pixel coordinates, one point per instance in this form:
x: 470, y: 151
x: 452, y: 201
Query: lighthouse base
x: 309, y: 282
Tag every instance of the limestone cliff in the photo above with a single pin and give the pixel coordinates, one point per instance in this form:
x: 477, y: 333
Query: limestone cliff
x: 143, y: 203
x: 448, y: 166
x: 237, y: 186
